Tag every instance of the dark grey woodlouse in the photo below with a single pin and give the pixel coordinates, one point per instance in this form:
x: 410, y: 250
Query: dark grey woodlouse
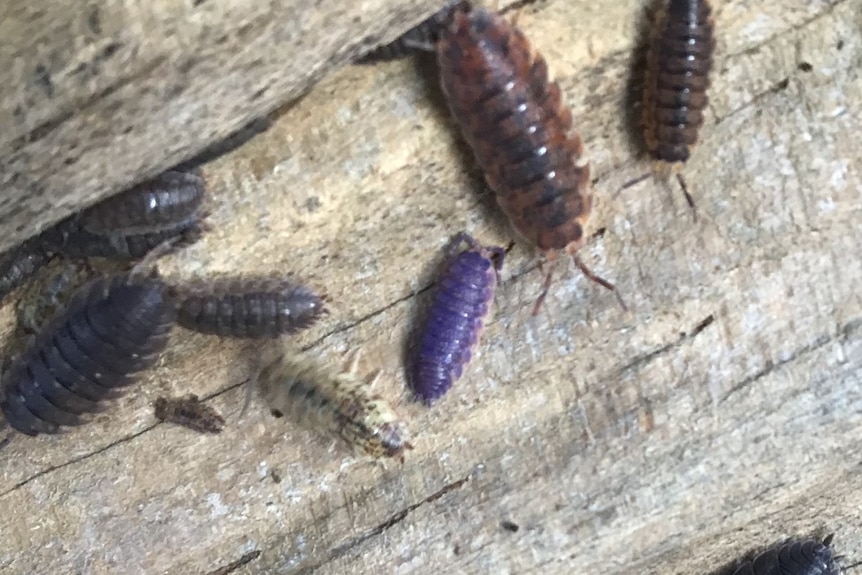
x: 166, y: 202
x: 19, y: 264
x: 130, y: 224
x: 250, y: 307
x: 112, y: 330
x: 455, y: 318
x: 794, y: 558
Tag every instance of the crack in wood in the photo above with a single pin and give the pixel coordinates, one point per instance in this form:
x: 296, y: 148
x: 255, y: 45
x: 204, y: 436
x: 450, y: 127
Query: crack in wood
x: 234, y: 565
x: 345, y: 548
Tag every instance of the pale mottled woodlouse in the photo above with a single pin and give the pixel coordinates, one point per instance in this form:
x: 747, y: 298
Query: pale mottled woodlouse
x: 251, y: 307
x: 515, y: 121
x: 189, y: 411
x: 794, y: 558
x: 420, y: 38
x: 334, y: 402
x: 112, y: 330
x: 455, y: 318
x: 679, y: 61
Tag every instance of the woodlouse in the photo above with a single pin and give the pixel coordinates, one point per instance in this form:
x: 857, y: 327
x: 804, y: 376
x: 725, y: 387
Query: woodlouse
x: 19, y: 264
x: 168, y: 201
x: 515, y: 121
x: 794, y: 558
x: 678, y: 65
x: 189, y: 411
x: 130, y: 224
x: 420, y: 38
x: 71, y: 239
x: 456, y: 317
x: 248, y: 307
x: 113, y: 329
x: 54, y: 288
x: 340, y: 403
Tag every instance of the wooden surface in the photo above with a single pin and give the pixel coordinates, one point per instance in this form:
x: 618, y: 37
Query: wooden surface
x: 721, y: 414
x: 96, y: 96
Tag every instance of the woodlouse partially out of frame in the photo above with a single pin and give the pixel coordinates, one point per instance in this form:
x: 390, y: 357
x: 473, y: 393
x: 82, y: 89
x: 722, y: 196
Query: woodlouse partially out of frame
x: 254, y: 307
x: 420, y: 38
x: 189, y: 411
x: 455, y: 318
x: 515, y: 121
x: 794, y: 558
x: 340, y: 403
x: 112, y: 330
x: 675, y: 94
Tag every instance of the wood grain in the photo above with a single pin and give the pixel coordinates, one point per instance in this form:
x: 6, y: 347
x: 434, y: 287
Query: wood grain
x: 96, y: 96
x: 721, y: 414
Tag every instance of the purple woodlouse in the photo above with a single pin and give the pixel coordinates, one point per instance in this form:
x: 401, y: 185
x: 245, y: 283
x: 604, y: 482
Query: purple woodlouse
x: 113, y: 329
x: 678, y: 65
x: 515, y: 121
x: 456, y: 317
x: 794, y: 558
x: 420, y: 38
x: 189, y: 411
x: 248, y: 307
x: 339, y: 403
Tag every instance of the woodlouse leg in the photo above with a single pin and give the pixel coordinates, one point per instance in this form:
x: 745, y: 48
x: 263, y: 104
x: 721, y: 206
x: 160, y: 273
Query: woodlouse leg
x: 599, y: 280
x: 633, y: 182
x: 147, y: 261
x: 688, y: 197
x: 546, y: 286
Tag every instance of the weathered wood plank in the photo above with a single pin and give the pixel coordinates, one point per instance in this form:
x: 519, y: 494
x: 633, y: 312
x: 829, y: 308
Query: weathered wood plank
x: 97, y: 96
x: 719, y: 415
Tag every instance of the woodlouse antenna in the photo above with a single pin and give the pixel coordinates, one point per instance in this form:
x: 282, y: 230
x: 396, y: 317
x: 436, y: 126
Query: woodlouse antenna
x: 546, y: 286
x: 634, y: 182
x: 599, y: 280
x: 147, y: 262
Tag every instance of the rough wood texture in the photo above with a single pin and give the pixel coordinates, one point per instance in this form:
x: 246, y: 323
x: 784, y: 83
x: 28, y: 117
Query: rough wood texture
x: 723, y: 413
x: 96, y: 96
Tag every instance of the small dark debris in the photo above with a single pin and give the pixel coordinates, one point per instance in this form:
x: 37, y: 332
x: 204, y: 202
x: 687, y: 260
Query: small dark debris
x: 600, y: 232
x: 277, y: 413
x: 704, y: 323
x: 805, y: 67
x: 94, y: 21
x: 782, y: 85
x: 189, y: 412
x: 43, y: 78
x: 276, y: 477
x: 312, y: 204
x: 840, y: 45
x: 510, y: 526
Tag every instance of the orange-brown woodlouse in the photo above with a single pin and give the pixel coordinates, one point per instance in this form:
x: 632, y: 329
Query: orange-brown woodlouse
x: 515, y: 121
x: 679, y: 61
